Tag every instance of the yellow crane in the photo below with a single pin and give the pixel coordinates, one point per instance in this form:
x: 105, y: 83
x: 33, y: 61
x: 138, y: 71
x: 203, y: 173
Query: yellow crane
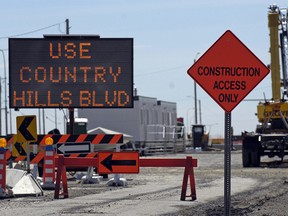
x: 271, y: 135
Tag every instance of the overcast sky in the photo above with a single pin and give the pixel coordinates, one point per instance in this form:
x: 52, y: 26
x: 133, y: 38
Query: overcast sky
x: 168, y: 35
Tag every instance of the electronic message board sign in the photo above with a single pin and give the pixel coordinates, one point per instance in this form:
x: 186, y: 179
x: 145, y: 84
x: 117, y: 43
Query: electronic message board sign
x: 71, y: 72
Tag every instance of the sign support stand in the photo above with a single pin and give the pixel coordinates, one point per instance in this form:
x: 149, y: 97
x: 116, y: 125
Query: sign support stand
x: 28, y: 157
x: 227, y: 165
x: 117, y: 175
x: 71, y: 121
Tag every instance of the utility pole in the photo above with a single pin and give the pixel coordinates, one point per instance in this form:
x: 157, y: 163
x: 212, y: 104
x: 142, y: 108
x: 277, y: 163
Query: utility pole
x: 195, y: 94
x: 5, y: 93
x: 10, y: 115
x: 39, y: 120
x: 43, y: 113
x: 55, y: 118
x: 67, y: 26
x: 0, y: 107
x: 71, y: 110
x: 195, y: 102
x: 200, y: 115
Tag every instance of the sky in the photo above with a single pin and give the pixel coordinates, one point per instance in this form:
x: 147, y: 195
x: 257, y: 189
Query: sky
x: 168, y: 36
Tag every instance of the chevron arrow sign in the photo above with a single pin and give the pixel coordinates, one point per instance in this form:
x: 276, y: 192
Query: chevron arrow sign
x: 26, y: 128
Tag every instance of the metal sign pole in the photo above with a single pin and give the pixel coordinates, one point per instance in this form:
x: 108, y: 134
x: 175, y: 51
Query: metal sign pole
x: 227, y: 165
x: 28, y: 157
x: 117, y: 176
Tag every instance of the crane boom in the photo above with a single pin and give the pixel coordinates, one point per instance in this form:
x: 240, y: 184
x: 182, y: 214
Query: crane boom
x: 271, y: 135
x: 284, y: 45
x: 274, y: 52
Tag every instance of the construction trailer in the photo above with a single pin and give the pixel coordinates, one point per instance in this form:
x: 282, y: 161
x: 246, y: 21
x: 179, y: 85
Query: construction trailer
x: 152, y: 123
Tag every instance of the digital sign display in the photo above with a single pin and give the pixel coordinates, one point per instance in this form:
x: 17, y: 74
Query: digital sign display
x: 71, y: 72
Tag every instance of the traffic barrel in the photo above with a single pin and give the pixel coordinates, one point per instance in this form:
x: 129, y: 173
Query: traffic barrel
x: 49, y: 165
x: 3, y: 144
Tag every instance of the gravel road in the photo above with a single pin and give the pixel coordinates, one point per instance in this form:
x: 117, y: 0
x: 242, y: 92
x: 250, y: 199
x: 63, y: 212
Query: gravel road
x: 156, y: 191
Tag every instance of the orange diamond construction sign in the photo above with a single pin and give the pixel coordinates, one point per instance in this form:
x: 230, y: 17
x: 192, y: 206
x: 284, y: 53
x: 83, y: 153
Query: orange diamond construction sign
x: 228, y: 71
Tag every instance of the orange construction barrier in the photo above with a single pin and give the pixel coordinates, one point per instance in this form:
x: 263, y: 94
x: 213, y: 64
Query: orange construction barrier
x: 63, y: 162
x: 188, y: 163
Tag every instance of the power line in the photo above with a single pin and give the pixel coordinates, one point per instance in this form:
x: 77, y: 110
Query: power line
x: 161, y: 71
x: 37, y: 30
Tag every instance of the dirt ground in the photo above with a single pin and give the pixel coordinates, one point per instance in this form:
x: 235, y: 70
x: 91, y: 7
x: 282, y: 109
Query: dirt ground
x: 156, y: 191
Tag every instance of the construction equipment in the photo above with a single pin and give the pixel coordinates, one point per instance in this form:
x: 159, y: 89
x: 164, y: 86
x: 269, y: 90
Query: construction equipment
x: 271, y: 135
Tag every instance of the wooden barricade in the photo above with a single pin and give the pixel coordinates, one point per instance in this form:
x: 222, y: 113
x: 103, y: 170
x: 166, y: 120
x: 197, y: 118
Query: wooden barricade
x: 62, y: 163
x: 189, y: 163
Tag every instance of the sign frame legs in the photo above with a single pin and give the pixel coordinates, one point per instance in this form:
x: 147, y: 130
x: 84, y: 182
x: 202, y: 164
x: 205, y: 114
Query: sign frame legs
x: 28, y: 157
x: 61, y: 174
x: 188, y: 172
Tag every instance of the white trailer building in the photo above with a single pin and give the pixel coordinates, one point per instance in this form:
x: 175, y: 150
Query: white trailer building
x: 150, y: 121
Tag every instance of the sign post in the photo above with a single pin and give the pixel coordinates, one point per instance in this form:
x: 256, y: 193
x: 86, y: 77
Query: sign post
x: 228, y: 71
x: 227, y: 164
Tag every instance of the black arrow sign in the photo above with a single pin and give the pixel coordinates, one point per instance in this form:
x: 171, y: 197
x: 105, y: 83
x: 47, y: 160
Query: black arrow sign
x: 20, y: 149
x: 23, y: 129
x: 108, y: 162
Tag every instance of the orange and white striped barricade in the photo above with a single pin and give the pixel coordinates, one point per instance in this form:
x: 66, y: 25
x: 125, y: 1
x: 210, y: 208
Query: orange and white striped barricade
x: 3, y: 191
x: 49, y: 166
